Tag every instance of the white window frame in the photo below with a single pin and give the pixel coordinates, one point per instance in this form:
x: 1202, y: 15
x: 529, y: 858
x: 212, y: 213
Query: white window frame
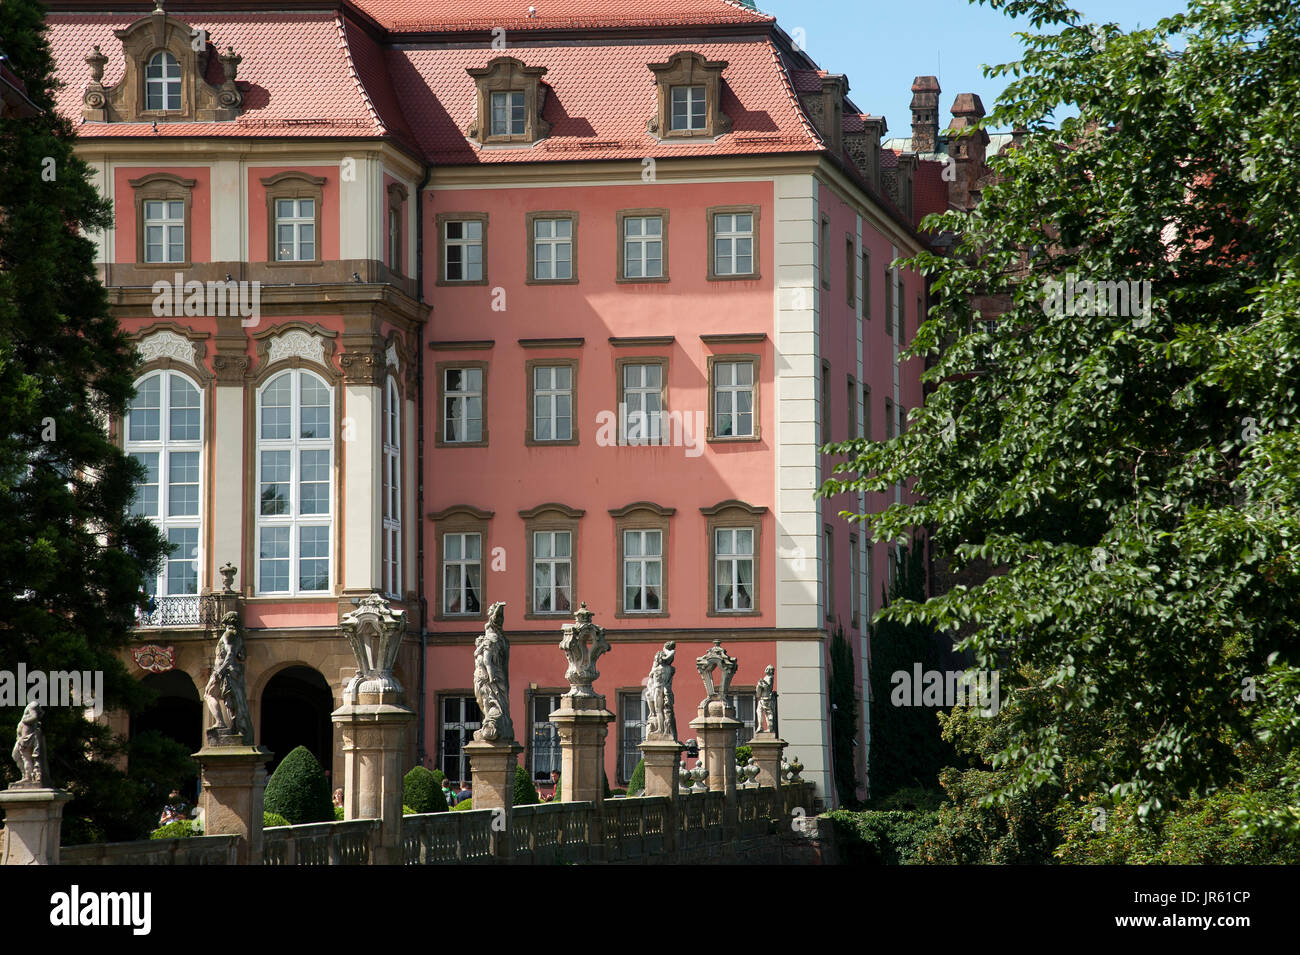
x: 552, y: 391
x: 544, y: 736
x: 554, y: 562
x: 166, y: 86
x: 392, y: 490
x: 293, y: 520
x: 732, y: 236
x: 511, y: 106
x: 636, y: 246
x: 650, y: 431
x: 299, y: 222
x: 734, y: 390
x: 643, y: 560
x: 695, y: 95
x: 734, y: 559
x: 164, y: 446
x: 546, y: 235
x: 464, y: 563
x: 464, y: 243
x: 171, y: 226
x: 395, y: 239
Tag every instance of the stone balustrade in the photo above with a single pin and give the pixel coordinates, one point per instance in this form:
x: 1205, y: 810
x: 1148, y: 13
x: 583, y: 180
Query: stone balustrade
x: 321, y: 843
x: 196, y: 850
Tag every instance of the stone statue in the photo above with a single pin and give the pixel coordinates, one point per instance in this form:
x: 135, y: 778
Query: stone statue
x: 374, y: 631
x: 225, y: 694
x: 713, y: 658
x: 492, y: 678
x: 29, y: 749
x: 581, y: 672
x: 765, y: 696
x: 658, y: 695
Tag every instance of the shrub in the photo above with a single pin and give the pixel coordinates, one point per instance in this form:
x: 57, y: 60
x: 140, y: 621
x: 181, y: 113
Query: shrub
x: 525, y: 791
x: 422, y: 791
x: 881, y: 838
x: 408, y: 811
x: 463, y: 804
x: 743, y: 754
x: 636, y: 785
x: 299, y: 791
x: 614, y: 794
x: 270, y: 819
x: 338, y: 813
x: 183, y: 829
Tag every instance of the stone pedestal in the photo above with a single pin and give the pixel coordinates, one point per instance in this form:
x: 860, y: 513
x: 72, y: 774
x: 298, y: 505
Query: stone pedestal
x: 374, y: 755
x: 492, y: 771
x: 33, y: 818
x: 662, y: 758
x: 234, y: 781
x: 582, y: 723
x: 767, y: 748
x: 716, y: 728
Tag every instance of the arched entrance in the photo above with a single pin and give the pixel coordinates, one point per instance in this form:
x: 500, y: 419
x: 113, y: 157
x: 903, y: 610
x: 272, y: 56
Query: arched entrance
x: 176, y: 714
x: 295, y: 711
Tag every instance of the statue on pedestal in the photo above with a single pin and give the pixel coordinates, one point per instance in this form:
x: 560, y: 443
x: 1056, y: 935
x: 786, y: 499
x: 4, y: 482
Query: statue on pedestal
x: 225, y: 694
x: 658, y: 695
x: 29, y: 749
x: 492, y: 678
x: 765, y: 695
x: 581, y: 672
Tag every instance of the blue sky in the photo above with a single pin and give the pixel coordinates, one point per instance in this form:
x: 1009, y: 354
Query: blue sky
x: 881, y: 44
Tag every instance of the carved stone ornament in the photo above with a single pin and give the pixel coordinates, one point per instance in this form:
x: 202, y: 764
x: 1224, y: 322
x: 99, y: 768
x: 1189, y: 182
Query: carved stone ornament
x: 165, y: 344
x: 29, y: 750
x: 227, y: 572
x: 296, y: 344
x: 154, y: 659
x: 714, y: 658
x: 661, y: 724
x: 226, y: 694
x: 492, y: 678
x: 583, y: 643
x: 374, y: 631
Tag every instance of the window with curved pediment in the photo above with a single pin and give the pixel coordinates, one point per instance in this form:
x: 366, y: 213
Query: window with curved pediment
x: 511, y: 97
x: 689, y: 98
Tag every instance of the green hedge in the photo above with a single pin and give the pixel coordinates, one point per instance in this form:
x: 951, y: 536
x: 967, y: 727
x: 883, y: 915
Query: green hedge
x: 636, y: 785
x: 525, y: 791
x: 881, y: 838
x: 299, y: 791
x: 422, y: 791
x: 183, y: 829
x: 270, y: 819
x: 462, y: 805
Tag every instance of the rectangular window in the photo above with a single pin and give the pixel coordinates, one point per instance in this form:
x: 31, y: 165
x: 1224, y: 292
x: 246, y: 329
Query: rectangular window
x: 460, y: 718
x: 733, y: 243
x: 552, y: 250
x: 164, y: 231
x: 824, y: 252
x: 462, y: 574
x: 462, y: 405
x: 508, y: 114
x: 642, y: 403
x: 866, y: 412
x: 687, y: 108
x: 295, y: 230
x: 866, y: 285
x: 733, y: 569
x: 902, y: 315
x: 733, y: 399
x: 828, y: 589
x: 855, y: 583
x: 850, y: 280
x: 463, y: 250
x: 643, y: 571
x: 632, y: 716
x: 552, y: 572
x: 392, y: 491
x: 826, y: 403
x: 889, y: 302
x: 552, y: 402
x: 544, y: 739
x: 852, y: 405
x: 889, y: 419
x: 395, y: 239
x: 744, y: 705
x: 183, y: 561
x: 643, y: 247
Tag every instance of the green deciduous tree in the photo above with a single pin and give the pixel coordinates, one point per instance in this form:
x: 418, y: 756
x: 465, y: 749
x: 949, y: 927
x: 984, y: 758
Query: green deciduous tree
x: 1132, y: 476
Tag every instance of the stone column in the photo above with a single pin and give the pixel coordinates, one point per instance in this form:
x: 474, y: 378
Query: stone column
x: 767, y: 749
x: 662, y: 761
x: 234, y: 782
x: 33, y: 819
x: 374, y: 721
x: 582, y: 723
x: 716, y: 728
x: 492, y: 768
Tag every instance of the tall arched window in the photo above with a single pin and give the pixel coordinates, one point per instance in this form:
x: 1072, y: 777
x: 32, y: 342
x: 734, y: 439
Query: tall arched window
x: 162, y: 82
x: 392, y: 490
x: 295, y: 481
x: 164, y: 432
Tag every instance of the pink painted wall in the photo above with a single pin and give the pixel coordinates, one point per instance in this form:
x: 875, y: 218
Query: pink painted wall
x: 329, y: 212
x: 200, y: 210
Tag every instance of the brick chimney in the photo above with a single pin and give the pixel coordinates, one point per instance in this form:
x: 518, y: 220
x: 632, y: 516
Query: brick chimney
x: 968, y: 152
x: 925, y: 113
x: 825, y: 108
x: 864, y: 147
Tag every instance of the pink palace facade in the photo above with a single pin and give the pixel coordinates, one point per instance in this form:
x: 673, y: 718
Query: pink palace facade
x: 551, y: 307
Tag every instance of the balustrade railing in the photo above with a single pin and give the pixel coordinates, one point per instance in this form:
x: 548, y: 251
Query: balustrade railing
x: 321, y: 843
x: 195, y: 850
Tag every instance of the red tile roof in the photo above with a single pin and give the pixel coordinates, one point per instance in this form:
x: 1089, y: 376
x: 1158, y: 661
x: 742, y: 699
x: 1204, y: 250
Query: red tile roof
x: 404, y: 16
x: 299, y: 76
x: 598, y: 101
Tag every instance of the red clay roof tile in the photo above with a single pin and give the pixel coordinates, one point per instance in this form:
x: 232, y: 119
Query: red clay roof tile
x: 403, y: 16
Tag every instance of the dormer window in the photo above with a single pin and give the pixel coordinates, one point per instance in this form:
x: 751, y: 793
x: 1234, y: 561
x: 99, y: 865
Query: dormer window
x: 689, y: 98
x: 511, y: 98
x: 162, y: 83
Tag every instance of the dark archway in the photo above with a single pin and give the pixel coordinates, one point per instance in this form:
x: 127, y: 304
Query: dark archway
x: 177, y: 714
x: 295, y: 711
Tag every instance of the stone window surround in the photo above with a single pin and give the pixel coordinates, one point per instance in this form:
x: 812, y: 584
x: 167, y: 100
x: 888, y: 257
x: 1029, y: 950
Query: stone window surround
x: 619, y: 258
x: 621, y: 758
x: 757, y: 436
x: 855, y: 582
x: 439, y: 434
x: 439, y: 697
x: 551, y: 517
x: 642, y: 515
x: 823, y: 251
x: 397, y: 195
x: 619, y: 363
x: 531, y: 693
x: 852, y: 410
x: 688, y: 69
x: 529, y: 219
x: 292, y: 185
x: 865, y: 262
x: 507, y: 74
x: 162, y: 186
x: 712, y: 275
x: 726, y: 515
x: 461, y: 519
x: 824, y: 433
x: 440, y: 230
x: 850, y: 265
x: 574, y: 430
x: 828, y: 579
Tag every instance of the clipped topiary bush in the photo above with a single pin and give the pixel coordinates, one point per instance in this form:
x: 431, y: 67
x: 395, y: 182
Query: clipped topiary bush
x: 463, y: 804
x: 183, y: 829
x: 299, y: 791
x: 525, y: 791
x: 743, y: 753
x: 270, y: 819
x: 422, y: 791
x: 338, y: 813
x: 636, y: 785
